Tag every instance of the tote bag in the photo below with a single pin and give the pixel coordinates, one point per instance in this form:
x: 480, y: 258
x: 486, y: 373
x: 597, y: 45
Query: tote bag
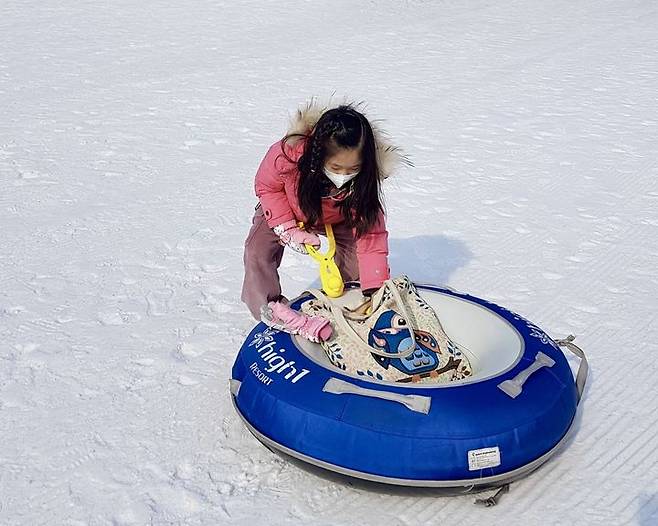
x: 399, y: 338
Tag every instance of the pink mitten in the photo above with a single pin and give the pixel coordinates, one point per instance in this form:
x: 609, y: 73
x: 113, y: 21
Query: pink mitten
x: 282, y: 317
x: 293, y: 236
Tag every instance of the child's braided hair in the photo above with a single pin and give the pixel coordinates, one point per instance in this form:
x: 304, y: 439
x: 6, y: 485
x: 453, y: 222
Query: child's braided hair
x: 340, y: 128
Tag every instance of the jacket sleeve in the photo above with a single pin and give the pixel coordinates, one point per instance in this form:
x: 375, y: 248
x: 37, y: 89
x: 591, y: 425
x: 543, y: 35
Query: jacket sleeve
x: 270, y: 187
x: 372, y: 254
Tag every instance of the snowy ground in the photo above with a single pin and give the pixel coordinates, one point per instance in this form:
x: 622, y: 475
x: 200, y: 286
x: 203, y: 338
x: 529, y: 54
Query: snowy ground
x: 129, y: 137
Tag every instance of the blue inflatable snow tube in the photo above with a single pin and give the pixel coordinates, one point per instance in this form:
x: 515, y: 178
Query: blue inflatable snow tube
x: 482, y: 431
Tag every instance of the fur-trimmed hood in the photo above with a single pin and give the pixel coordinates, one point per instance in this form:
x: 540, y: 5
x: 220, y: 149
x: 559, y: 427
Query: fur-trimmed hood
x: 389, y: 156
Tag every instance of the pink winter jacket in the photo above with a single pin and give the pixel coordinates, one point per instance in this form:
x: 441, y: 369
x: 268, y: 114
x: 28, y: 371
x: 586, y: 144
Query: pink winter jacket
x: 276, y: 188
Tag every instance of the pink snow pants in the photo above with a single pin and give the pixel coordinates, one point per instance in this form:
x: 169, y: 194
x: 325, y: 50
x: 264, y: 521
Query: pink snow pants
x: 263, y: 254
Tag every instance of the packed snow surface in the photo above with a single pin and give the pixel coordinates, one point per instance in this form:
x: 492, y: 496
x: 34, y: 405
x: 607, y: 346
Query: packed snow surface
x: 130, y: 133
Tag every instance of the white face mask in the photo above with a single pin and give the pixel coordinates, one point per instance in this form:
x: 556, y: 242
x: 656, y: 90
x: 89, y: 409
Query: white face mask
x: 339, y: 180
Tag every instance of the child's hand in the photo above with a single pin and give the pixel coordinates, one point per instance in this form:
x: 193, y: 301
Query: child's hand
x: 293, y: 236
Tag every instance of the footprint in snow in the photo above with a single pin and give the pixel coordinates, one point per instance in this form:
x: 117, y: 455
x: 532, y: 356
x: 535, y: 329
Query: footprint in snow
x: 158, y: 302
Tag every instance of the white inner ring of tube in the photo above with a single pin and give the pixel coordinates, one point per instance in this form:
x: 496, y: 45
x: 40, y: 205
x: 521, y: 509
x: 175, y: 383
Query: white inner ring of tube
x: 491, y: 343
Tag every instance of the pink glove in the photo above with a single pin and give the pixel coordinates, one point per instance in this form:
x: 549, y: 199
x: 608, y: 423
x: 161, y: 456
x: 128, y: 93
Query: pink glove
x: 293, y: 236
x: 282, y: 317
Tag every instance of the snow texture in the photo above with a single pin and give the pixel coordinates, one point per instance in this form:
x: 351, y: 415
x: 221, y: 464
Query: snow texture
x: 130, y: 133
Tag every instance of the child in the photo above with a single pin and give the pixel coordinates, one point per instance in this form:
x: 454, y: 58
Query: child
x: 327, y: 169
